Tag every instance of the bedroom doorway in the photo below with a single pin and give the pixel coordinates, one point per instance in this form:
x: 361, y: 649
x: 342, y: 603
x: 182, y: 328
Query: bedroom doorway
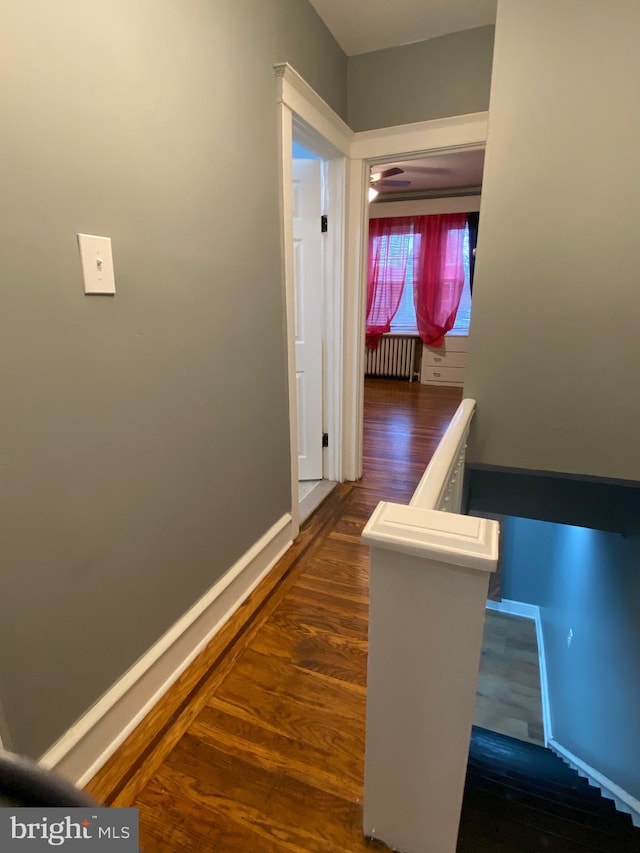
x: 370, y: 152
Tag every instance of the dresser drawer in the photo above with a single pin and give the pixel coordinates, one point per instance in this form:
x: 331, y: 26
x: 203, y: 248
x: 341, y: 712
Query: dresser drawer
x: 443, y: 358
x: 442, y: 375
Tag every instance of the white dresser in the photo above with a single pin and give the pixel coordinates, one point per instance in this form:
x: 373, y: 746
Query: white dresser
x: 445, y: 365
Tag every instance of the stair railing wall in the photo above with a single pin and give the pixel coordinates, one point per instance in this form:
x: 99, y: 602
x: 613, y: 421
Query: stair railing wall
x: 430, y: 569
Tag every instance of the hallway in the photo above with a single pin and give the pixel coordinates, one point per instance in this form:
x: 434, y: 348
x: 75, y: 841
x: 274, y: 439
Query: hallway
x: 263, y: 749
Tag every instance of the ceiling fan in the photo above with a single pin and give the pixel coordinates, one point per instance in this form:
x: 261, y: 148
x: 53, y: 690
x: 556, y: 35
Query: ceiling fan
x: 381, y: 179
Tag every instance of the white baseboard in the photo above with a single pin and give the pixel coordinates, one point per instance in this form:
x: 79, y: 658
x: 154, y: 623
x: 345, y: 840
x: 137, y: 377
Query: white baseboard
x: 532, y: 611
x: 515, y: 608
x: 315, y: 497
x: 93, y: 739
x: 624, y: 801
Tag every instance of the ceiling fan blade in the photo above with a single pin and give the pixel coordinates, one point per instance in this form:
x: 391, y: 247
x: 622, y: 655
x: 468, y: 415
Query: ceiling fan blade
x: 392, y: 183
x: 385, y: 173
x: 389, y: 173
x: 430, y: 170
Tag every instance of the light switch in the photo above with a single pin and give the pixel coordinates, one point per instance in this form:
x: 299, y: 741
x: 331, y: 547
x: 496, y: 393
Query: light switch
x: 97, y: 264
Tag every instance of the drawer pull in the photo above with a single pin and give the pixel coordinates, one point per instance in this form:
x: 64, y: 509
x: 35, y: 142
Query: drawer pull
x: 437, y: 358
x: 435, y: 373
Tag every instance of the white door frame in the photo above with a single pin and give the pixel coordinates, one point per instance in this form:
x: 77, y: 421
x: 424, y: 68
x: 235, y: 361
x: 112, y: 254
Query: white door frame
x: 319, y: 129
x: 350, y: 156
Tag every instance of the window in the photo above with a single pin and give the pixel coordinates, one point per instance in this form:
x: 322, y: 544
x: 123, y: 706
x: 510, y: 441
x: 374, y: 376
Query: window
x: 405, y: 319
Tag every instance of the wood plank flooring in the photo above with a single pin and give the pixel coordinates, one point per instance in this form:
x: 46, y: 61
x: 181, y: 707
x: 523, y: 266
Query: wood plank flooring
x: 259, y: 746
x: 508, y: 698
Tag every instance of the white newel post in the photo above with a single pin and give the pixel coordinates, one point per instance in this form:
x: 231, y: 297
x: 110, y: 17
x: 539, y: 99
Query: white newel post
x: 429, y: 581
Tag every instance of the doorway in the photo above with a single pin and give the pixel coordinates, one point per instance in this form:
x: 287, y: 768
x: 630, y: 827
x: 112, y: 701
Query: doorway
x: 305, y: 118
x: 424, y: 207
x: 370, y: 150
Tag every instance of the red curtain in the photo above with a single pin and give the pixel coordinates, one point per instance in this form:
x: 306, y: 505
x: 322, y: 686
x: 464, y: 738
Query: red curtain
x: 439, y: 273
x: 390, y: 241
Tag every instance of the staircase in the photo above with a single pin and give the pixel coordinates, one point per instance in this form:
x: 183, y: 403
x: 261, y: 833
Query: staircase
x: 519, y: 796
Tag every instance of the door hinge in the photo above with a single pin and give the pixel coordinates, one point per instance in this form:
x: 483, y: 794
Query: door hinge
x: 324, y: 223
x: 325, y: 439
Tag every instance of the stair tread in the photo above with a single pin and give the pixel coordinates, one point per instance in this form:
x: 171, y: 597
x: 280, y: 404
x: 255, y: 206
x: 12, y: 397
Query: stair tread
x: 521, y: 796
x: 477, y: 841
x: 611, y: 822
x: 586, y: 834
x: 577, y: 788
x: 499, y: 832
x: 499, y: 751
x: 514, y: 756
x: 589, y: 801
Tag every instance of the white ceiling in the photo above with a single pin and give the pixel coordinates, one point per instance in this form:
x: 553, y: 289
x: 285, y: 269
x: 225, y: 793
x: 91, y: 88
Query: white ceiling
x: 360, y: 26
x: 435, y: 174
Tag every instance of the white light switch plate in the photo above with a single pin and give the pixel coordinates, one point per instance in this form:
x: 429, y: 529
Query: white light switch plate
x: 97, y: 264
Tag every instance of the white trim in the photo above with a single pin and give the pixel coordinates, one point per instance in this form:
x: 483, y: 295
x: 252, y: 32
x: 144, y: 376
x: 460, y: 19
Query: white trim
x: 464, y: 541
x: 87, y: 745
x: 303, y: 113
x: 466, y: 131
x: 333, y: 310
x: 515, y: 608
x: 532, y: 611
x: 354, y: 313
x: 285, y: 160
x: 624, y: 802
x: 445, y: 470
x: 303, y: 100
x: 315, y: 497
x: 547, y: 720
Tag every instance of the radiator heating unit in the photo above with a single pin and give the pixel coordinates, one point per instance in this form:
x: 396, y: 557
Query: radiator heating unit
x: 395, y: 356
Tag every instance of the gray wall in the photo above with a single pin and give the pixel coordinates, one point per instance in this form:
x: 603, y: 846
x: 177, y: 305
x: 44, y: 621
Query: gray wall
x: 144, y: 439
x: 587, y: 581
x: 445, y: 76
x: 587, y: 502
x: 553, y: 349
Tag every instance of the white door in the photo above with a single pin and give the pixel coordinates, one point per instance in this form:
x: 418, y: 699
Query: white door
x: 307, y: 273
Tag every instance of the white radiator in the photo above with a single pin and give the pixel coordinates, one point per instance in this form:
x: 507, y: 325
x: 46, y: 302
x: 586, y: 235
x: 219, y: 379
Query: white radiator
x: 395, y: 355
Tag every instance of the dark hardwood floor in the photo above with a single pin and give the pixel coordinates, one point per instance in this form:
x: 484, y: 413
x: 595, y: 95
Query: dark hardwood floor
x: 259, y: 746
